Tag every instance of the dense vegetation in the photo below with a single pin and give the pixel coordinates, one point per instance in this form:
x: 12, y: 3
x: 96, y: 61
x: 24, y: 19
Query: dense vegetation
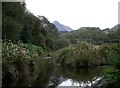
x: 20, y: 24
x: 112, y: 75
x: 27, y: 38
x: 84, y: 55
x: 91, y: 34
x: 17, y: 57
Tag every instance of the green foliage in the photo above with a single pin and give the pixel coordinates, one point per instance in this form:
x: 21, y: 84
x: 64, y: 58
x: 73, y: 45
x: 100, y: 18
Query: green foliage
x: 86, y: 54
x: 113, y: 55
x: 33, y: 48
x: 89, y: 34
x: 13, y: 15
x: 21, y: 25
x: 112, y: 77
x: 61, y: 43
x: 83, y: 55
x: 19, y: 55
x: 114, y: 36
x: 12, y: 32
x: 49, y: 43
x: 26, y: 34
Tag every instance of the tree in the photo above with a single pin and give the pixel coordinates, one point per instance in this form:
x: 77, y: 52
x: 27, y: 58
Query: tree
x: 114, y: 36
x: 13, y: 15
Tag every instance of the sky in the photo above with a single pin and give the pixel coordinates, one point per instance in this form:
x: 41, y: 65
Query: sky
x: 77, y: 13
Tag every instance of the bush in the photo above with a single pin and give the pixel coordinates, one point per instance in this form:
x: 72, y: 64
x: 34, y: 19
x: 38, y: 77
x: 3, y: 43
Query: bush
x: 18, y: 56
x: 83, y: 54
x: 33, y: 48
x: 112, y: 77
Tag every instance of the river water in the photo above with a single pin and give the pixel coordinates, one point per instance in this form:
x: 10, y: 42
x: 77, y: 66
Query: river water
x: 46, y: 75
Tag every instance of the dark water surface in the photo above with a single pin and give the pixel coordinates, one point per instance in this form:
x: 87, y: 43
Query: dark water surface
x: 46, y: 75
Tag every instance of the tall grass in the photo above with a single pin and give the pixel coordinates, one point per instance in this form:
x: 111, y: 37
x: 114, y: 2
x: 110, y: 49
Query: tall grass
x: 83, y: 55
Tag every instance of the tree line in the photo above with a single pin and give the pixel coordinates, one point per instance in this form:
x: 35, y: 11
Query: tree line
x: 21, y: 25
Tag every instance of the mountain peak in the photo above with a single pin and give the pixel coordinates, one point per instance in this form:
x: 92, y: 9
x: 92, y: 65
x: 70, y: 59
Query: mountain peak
x: 62, y: 27
x: 55, y: 21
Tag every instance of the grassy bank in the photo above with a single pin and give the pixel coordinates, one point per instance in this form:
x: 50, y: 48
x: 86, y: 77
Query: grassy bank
x: 17, y: 57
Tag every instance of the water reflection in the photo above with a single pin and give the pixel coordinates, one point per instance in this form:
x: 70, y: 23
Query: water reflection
x: 71, y: 82
x: 48, y: 76
x: 85, y: 77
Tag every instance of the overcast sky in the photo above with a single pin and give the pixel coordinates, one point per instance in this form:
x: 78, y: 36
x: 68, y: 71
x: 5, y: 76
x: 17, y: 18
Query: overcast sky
x: 77, y: 13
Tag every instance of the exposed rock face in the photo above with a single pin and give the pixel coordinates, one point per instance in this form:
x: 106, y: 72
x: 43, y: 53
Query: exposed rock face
x: 62, y: 27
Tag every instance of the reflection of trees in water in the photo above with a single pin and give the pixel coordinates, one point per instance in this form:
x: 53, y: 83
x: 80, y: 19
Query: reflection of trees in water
x: 48, y: 76
x: 74, y: 83
x: 83, y: 74
x: 92, y: 82
x: 84, y: 77
x: 44, y: 74
x: 51, y: 78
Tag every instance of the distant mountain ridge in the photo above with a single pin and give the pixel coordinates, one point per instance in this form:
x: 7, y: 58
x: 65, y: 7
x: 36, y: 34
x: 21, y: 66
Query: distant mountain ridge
x: 62, y: 27
x: 116, y: 27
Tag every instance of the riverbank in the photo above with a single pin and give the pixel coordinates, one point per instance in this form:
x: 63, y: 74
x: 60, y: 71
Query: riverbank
x: 47, y: 67
x: 17, y: 60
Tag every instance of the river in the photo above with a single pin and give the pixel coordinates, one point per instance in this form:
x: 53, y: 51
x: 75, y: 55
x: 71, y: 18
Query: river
x: 46, y: 75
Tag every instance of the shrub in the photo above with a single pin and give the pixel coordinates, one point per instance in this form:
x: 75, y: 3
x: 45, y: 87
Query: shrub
x: 112, y: 77
x: 19, y: 55
x: 83, y: 54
